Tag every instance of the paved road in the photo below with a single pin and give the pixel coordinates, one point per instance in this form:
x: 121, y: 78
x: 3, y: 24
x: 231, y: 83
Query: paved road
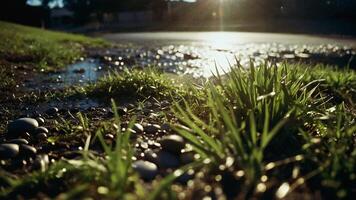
x: 233, y: 38
x: 205, y: 50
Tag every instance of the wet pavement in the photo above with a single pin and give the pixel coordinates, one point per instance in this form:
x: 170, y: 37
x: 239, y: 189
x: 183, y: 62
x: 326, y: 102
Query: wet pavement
x: 199, y: 54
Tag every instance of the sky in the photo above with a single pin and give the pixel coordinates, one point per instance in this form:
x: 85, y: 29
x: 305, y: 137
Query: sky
x: 52, y: 4
x: 59, y: 3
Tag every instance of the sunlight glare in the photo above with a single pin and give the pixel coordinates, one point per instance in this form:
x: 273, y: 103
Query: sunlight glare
x: 220, y: 42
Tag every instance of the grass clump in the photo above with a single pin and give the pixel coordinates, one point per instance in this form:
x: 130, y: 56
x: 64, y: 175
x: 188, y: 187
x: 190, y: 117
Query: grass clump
x: 337, y: 83
x: 139, y: 84
x: 22, y: 44
x: 259, y: 125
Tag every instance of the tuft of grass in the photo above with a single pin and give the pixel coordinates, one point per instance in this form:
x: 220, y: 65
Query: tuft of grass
x: 262, y: 119
x: 43, y: 49
x: 139, y: 84
x: 339, y: 84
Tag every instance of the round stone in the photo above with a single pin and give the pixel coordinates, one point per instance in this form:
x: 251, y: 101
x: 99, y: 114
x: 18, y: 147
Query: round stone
x: 41, y: 136
x: 109, y: 136
x: 40, y: 120
x: 173, y: 143
x: 8, y: 151
x: 184, y: 178
x: 27, y: 150
x: 41, y: 130
x: 152, y: 128
x: 151, y: 156
x: 167, y: 160
x: 52, y: 111
x: 166, y: 127
x: 145, y: 169
x: 138, y: 128
x: 18, y: 141
x: 187, y: 157
x: 25, y: 135
x: 22, y: 125
x: 122, y: 111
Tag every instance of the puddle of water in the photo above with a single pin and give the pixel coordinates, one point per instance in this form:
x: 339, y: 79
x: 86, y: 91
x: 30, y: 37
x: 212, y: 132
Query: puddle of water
x: 85, y: 71
x: 198, y: 53
x: 198, y: 59
x: 81, y: 72
x: 202, y: 59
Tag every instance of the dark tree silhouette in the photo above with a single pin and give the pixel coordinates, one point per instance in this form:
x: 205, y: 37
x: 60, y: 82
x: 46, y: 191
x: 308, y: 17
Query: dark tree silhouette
x: 82, y: 9
x: 12, y: 10
x: 18, y: 11
x: 159, y: 7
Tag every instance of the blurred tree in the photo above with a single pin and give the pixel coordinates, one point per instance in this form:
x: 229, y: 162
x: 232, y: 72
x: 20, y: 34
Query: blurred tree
x: 82, y: 9
x: 18, y: 11
x: 11, y: 9
x: 264, y: 8
x: 159, y: 8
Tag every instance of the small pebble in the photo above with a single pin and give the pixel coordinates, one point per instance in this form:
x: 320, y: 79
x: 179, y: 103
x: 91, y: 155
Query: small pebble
x: 131, y: 106
x: 166, y: 127
x: 18, y: 141
x: 109, y: 136
x: 167, y: 160
x: 8, y: 151
x: 41, y: 130
x: 40, y: 121
x: 52, y: 111
x: 41, y: 136
x: 25, y: 135
x: 144, y: 145
x: 151, y: 156
x: 138, y: 128
x: 27, y: 151
x: 22, y: 125
x: 145, y: 169
x: 187, y: 157
x: 152, y: 128
x: 122, y: 111
x: 173, y: 143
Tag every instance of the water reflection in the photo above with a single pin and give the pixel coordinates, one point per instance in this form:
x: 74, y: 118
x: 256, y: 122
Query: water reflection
x: 88, y: 70
x: 202, y: 54
x: 201, y: 59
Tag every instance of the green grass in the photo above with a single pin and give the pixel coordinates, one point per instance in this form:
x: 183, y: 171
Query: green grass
x: 6, y: 80
x: 264, y: 132
x: 135, y: 84
x: 43, y: 49
x: 111, y: 176
x: 265, y: 121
